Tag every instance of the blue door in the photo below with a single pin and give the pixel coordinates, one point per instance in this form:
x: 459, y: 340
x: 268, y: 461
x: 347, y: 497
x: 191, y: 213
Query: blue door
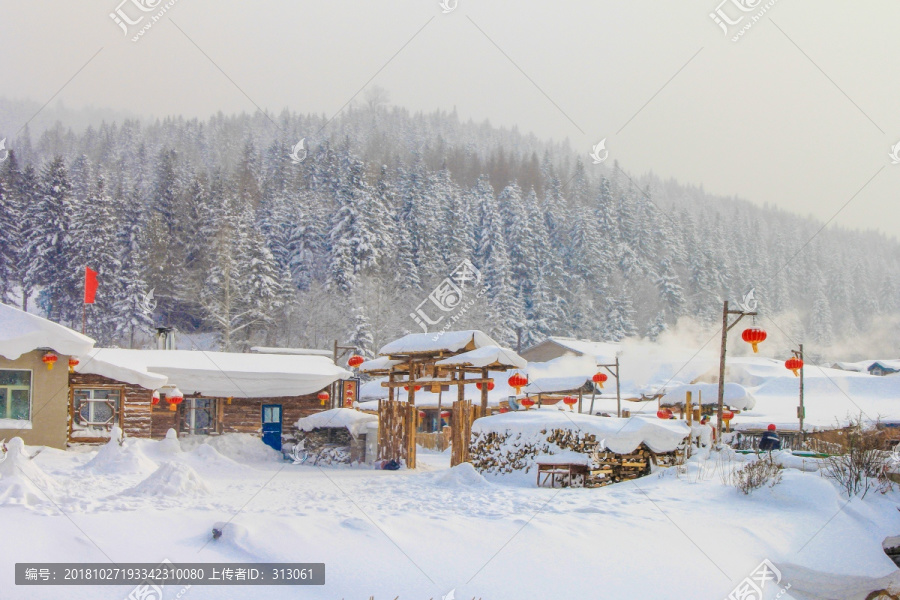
x: 271, y: 425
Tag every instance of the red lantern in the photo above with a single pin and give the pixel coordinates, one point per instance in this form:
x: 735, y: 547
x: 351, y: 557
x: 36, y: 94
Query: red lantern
x: 174, y: 398
x: 503, y: 409
x: 406, y: 387
x: 727, y: 415
x: 490, y: 385
x: 570, y: 401
x: 445, y: 414
x: 50, y: 359
x: 154, y: 400
x: 526, y: 402
x: 794, y: 364
x: 323, y: 397
x: 754, y: 336
x: 421, y: 414
x: 355, y: 360
x: 599, y: 378
x: 664, y: 413
x: 517, y: 381
x: 73, y: 362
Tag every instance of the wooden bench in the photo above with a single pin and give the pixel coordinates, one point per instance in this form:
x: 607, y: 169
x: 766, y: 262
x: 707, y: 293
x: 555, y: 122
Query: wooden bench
x: 567, y: 471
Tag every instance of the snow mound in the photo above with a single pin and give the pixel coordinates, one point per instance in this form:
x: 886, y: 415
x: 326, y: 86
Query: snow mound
x: 239, y: 447
x: 206, y: 454
x: 462, y: 475
x: 21, y: 481
x: 116, y: 458
x: 353, y: 420
x: 171, y: 480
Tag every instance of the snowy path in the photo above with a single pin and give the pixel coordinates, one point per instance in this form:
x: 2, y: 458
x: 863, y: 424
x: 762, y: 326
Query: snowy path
x: 420, y: 534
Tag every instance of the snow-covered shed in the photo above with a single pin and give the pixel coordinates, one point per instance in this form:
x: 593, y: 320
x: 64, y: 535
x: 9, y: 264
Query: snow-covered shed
x: 338, y: 435
x: 223, y: 392
x: 34, y: 360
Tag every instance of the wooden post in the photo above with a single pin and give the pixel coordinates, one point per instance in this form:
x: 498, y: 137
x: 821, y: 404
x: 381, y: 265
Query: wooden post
x: 618, y: 391
x: 580, y: 395
x: 720, y: 407
x: 484, y: 393
x: 689, y: 408
x: 802, y: 407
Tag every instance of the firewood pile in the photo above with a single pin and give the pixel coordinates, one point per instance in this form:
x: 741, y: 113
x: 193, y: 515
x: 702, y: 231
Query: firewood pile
x: 327, y: 445
x: 500, y: 453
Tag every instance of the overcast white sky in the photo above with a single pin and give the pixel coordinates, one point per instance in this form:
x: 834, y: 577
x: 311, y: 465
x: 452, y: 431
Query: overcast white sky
x: 801, y: 124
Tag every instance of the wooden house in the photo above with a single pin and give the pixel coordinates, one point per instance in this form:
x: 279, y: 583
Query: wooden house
x: 220, y: 392
x: 34, y: 365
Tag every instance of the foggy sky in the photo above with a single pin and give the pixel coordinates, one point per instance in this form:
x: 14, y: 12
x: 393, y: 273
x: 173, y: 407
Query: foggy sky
x: 800, y: 117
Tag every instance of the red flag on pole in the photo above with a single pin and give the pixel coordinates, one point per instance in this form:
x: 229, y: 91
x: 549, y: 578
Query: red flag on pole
x: 90, y: 285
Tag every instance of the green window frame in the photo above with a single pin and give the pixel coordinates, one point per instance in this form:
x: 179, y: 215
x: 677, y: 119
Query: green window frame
x: 15, y: 394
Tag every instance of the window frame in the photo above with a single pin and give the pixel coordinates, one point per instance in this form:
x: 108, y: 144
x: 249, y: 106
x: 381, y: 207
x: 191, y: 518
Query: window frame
x: 9, y: 396
x: 119, y: 413
x: 188, y: 416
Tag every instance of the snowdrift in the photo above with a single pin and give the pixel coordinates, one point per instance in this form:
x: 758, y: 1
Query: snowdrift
x: 173, y: 480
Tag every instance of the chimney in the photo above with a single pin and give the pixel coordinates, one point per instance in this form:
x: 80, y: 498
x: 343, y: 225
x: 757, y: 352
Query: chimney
x: 165, y: 338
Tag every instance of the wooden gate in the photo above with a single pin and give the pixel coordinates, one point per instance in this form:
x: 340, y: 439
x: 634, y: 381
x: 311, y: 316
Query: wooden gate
x: 397, y: 432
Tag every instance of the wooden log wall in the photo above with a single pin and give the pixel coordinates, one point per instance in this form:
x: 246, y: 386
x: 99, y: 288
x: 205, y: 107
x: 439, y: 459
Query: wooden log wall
x: 136, y: 413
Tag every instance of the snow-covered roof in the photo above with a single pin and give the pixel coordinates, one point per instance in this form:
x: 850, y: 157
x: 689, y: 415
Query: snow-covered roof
x: 222, y: 374
x: 550, y: 385
x: 301, y: 351
x: 22, y: 332
x: 448, y: 341
x: 382, y: 363
x: 353, y: 420
x: 116, y: 365
x: 736, y: 395
x: 485, y: 356
x: 599, y: 351
x: 618, y: 435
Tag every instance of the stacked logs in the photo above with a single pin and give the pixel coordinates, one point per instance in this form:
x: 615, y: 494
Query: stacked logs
x: 500, y: 453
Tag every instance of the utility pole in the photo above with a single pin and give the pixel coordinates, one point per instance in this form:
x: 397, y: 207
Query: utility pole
x: 726, y: 313
x: 613, y: 369
x: 801, y: 411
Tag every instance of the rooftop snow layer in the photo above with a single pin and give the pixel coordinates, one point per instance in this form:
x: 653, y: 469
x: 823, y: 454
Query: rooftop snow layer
x: 484, y: 357
x: 353, y: 420
x: 621, y: 436
x: 382, y: 363
x: 449, y: 341
x: 736, y: 395
x: 550, y: 385
x: 22, y: 332
x: 218, y: 374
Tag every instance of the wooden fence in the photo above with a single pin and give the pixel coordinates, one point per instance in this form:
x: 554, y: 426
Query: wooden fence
x: 439, y: 441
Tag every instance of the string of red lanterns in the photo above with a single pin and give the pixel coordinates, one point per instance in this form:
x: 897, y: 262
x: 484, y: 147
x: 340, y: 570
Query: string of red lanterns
x: 490, y: 385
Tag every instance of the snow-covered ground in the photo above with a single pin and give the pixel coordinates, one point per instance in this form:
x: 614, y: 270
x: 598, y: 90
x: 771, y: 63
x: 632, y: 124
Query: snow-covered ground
x: 423, y: 533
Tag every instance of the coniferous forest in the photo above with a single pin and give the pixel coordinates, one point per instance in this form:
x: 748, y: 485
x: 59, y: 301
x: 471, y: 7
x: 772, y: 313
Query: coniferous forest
x: 241, y: 245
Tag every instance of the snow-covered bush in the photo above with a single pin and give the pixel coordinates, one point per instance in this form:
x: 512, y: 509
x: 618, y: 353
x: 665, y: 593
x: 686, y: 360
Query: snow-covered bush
x: 756, y: 474
x: 863, y: 465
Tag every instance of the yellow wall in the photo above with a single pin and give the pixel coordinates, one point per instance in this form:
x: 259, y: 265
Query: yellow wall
x: 49, y: 401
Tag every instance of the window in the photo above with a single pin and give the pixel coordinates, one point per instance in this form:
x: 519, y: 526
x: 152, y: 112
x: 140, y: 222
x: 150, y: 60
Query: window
x: 271, y: 414
x: 199, y: 416
x: 95, y: 410
x: 15, y: 395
